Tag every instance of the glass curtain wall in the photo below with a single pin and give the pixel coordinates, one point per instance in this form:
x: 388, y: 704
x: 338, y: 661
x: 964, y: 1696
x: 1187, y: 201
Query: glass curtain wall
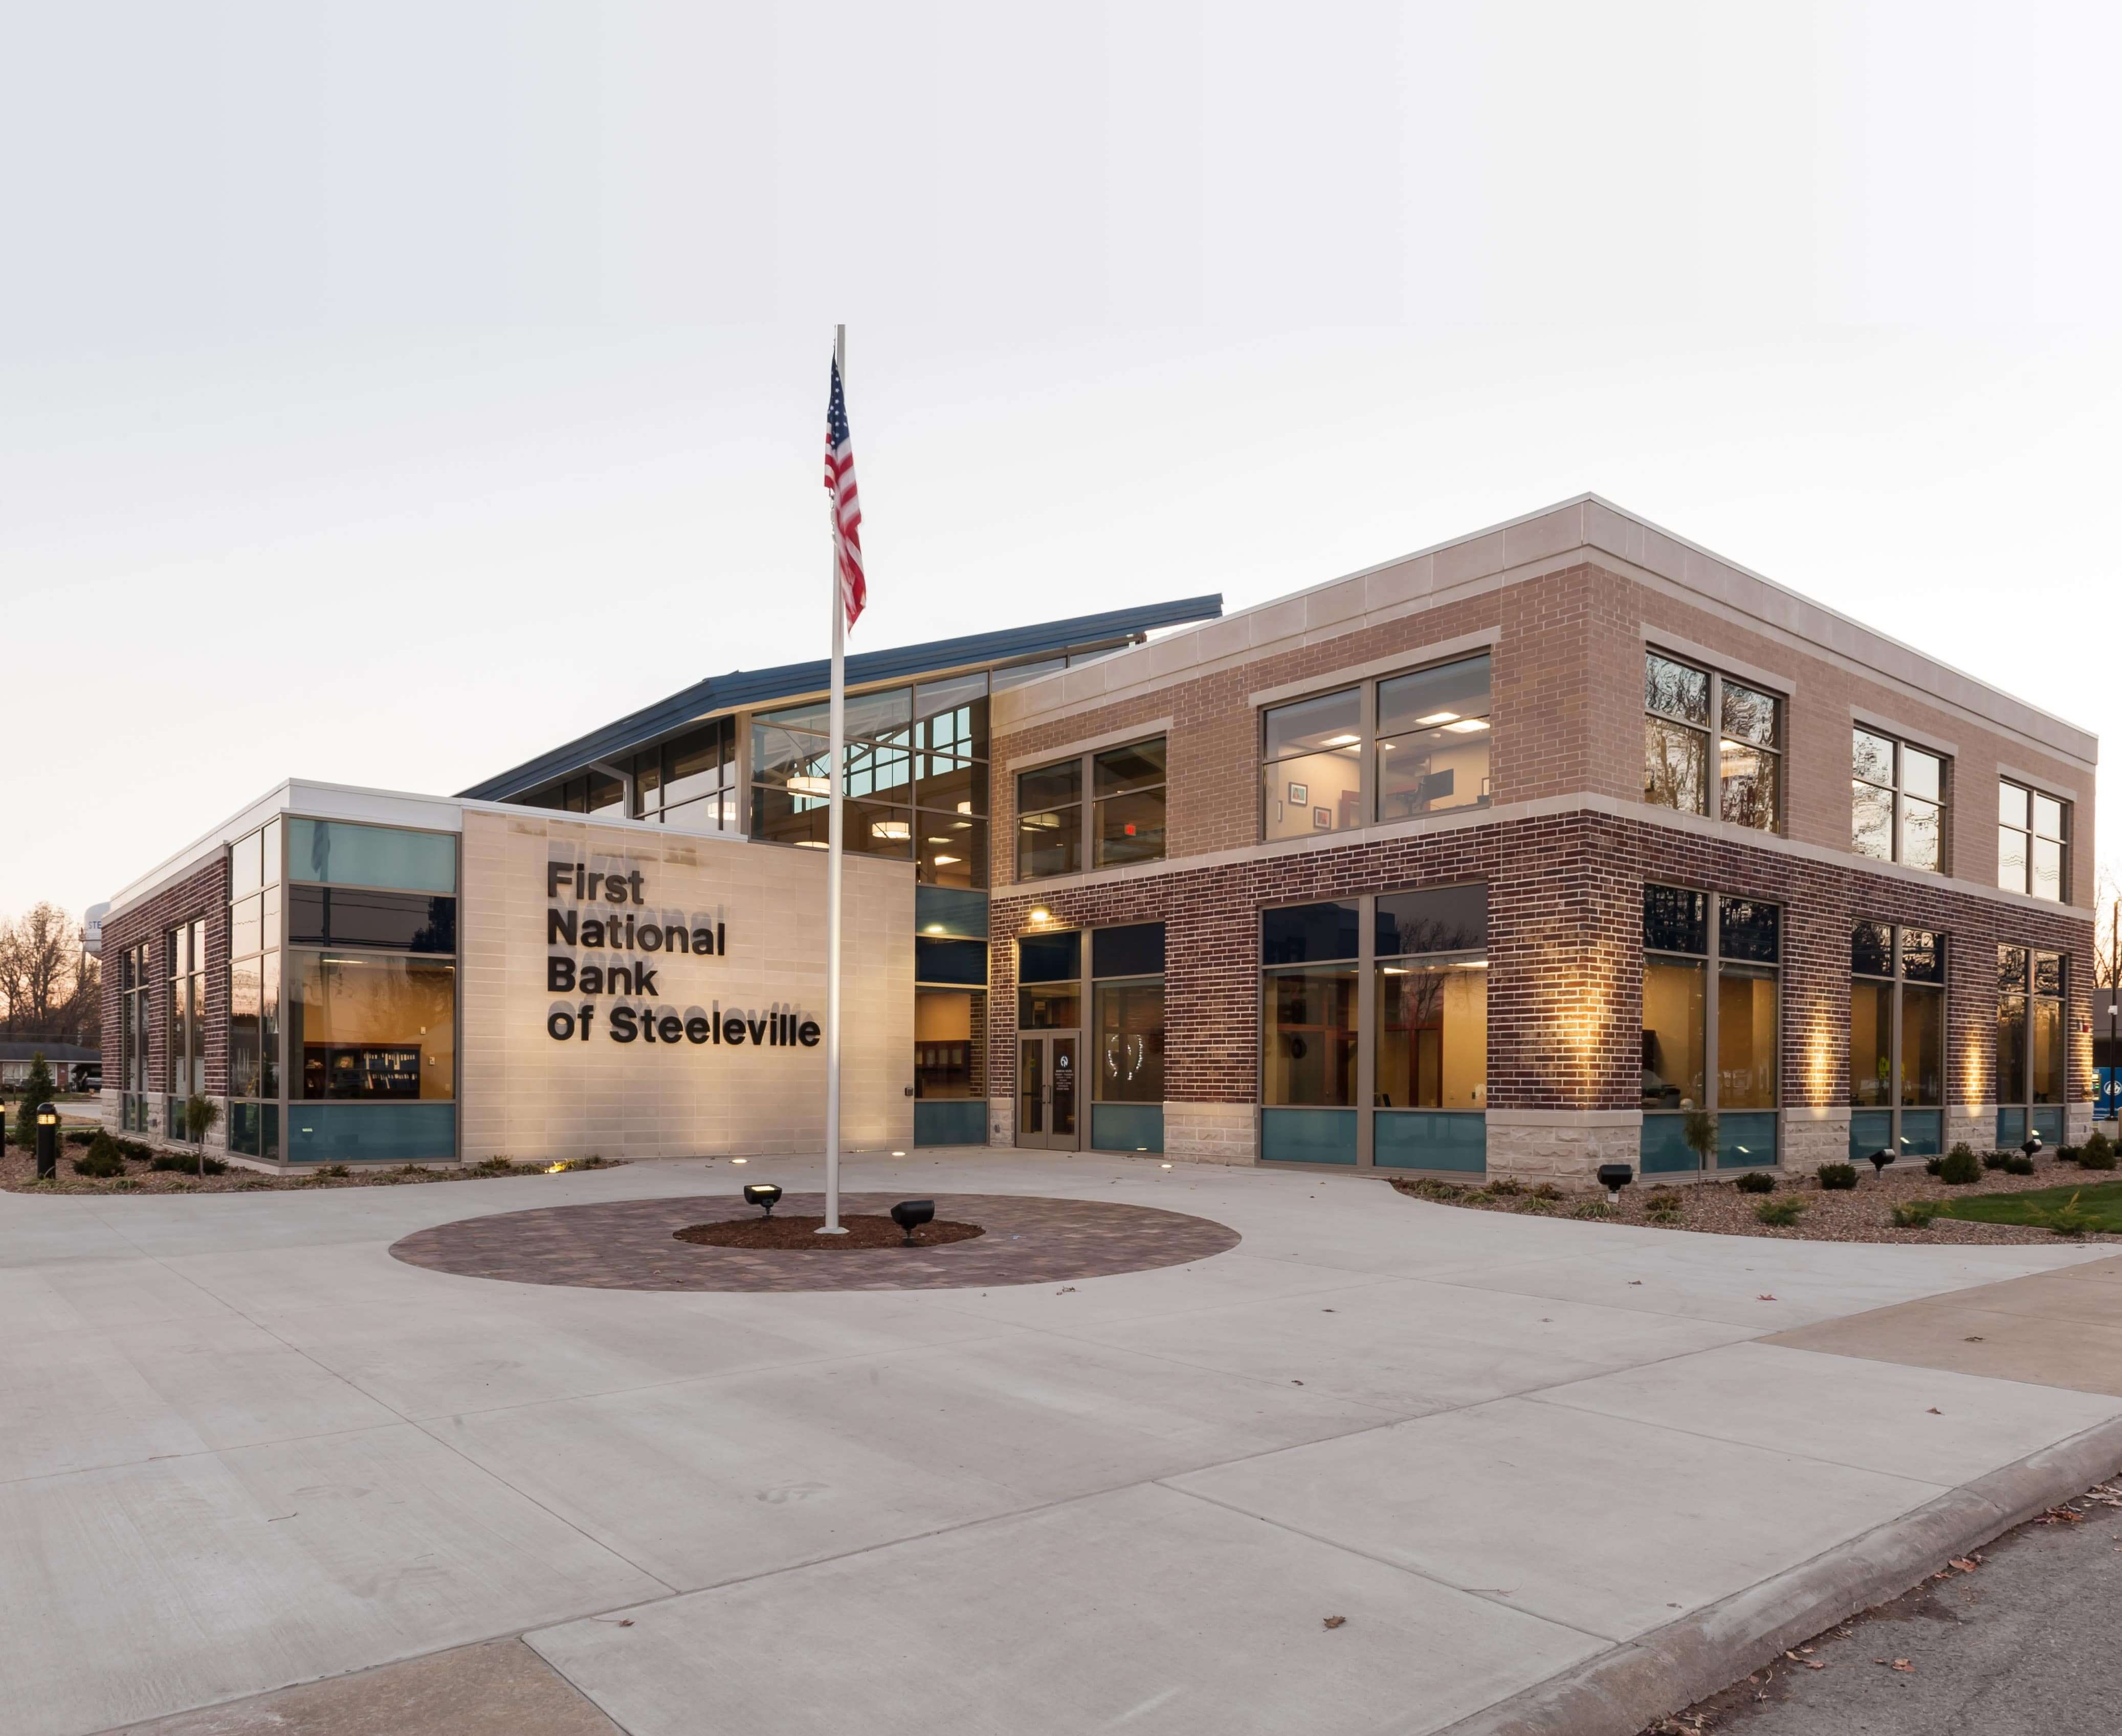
x: 1374, y: 1039
x: 2031, y: 1070
x: 184, y: 1056
x: 255, y: 919
x: 690, y: 781
x: 1127, y: 1038
x: 1711, y: 1026
x: 916, y: 777
x: 950, y: 1038
x: 1897, y: 1041
x: 370, y: 994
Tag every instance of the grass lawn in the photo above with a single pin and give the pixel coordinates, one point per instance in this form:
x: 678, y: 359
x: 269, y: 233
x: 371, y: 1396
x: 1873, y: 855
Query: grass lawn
x: 2099, y: 1208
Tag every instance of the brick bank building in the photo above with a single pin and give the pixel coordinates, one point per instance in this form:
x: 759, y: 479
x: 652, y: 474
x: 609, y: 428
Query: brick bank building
x: 1499, y: 858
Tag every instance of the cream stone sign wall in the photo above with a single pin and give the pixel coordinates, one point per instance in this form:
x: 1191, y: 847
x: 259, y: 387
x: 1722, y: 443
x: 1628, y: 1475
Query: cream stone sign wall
x: 637, y: 993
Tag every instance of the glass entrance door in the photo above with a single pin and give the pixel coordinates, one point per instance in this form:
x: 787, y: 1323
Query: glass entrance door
x: 1048, y: 1116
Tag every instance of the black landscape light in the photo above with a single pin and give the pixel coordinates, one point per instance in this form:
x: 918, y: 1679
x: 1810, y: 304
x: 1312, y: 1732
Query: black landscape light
x: 910, y: 1215
x: 2032, y: 1147
x: 764, y: 1194
x: 1881, y: 1158
x: 1614, y: 1177
x: 48, y: 1142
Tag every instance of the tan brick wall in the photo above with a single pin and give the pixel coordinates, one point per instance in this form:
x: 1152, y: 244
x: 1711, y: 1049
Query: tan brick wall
x: 524, y: 1095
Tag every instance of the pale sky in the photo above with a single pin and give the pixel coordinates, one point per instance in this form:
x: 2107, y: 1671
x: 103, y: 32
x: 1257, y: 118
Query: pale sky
x: 389, y: 392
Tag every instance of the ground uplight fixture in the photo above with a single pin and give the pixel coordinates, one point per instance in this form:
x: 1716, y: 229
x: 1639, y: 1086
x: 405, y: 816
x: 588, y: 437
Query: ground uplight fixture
x: 910, y: 1215
x: 1881, y: 1158
x: 764, y: 1195
x: 2032, y: 1147
x: 1616, y: 1177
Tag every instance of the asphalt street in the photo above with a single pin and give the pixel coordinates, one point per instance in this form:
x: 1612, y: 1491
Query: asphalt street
x: 2024, y: 1645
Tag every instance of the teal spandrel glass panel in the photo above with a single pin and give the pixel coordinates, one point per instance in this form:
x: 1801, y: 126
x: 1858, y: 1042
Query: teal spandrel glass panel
x: 1308, y: 1136
x: 2011, y: 1128
x: 950, y: 1121
x: 337, y: 852
x: 1418, y: 1138
x: 371, y: 1133
x: 1665, y: 1149
x: 1870, y: 1130
x: 1923, y: 1132
x: 2048, y: 1123
x: 1127, y: 1126
x: 1746, y: 1141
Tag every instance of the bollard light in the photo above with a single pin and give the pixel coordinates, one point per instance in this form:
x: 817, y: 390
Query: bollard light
x: 48, y: 1142
x: 1614, y: 1177
x: 764, y: 1194
x: 910, y: 1215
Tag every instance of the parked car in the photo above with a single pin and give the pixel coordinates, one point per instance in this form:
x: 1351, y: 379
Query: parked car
x: 88, y: 1077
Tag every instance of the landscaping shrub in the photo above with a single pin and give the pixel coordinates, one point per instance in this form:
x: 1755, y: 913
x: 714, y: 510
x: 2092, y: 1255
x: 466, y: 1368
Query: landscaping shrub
x: 133, y: 1150
x: 211, y: 1165
x: 1423, y: 1187
x: 1995, y: 1159
x: 1916, y: 1214
x: 2099, y: 1138
x: 2097, y: 1153
x: 2067, y: 1153
x: 1931, y: 1166
x: 101, y: 1160
x: 1503, y: 1187
x: 1664, y: 1202
x: 1547, y: 1191
x: 1960, y: 1167
x: 1837, y: 1178
x: 2017, y: 1163
x: 1756, y: 1181
x: 37, y: 1086
x: 1783, y: 1212
x: 167, y: 1160
x: 84, y: 1135
x: 1591, y: 1208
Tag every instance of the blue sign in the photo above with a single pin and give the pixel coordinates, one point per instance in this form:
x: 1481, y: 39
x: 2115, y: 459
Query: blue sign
x: 2107, y: 1100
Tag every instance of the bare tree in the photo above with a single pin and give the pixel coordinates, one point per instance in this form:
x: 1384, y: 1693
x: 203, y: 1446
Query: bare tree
x: 51, y: 987
x: 2106, y: 898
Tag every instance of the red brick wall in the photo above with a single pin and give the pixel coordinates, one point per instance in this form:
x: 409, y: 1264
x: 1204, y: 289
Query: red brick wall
x: 1565, y: 980
x: 203, y: 893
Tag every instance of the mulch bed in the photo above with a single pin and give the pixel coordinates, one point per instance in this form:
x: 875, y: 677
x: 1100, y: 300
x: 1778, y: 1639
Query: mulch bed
x: 640, y: 1244
x: 18, y: 1174
x: 1860, y: 1214
x: 800, y: 1235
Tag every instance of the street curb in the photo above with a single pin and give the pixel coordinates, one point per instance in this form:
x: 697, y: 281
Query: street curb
x: 1641, y: 1680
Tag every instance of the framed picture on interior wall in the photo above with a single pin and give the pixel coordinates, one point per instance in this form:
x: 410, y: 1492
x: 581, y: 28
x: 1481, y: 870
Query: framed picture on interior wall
x: 1322, y: 819
x: 1300, y: 795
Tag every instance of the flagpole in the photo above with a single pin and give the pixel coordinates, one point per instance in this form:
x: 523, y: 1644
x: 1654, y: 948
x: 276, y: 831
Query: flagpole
x: 835, y: 734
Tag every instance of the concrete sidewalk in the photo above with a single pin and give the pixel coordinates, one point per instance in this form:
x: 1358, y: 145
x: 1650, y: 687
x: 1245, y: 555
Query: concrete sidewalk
x: 248, y: 1448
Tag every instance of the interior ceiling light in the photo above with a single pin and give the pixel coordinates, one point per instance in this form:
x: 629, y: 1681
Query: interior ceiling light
x: 945, y: 861
x: 804, y: 784
x: 1436, y: 718
x: 1342, y: 740
x: 933, y: 928
x: 1467, y: 727
x: 965, y: 808
x: 894, y: 831
x: 812, y: 843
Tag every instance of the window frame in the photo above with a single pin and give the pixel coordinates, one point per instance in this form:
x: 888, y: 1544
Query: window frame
x: 1369, y: 790
x: 2030, y: 833
x: 1899, y: 797
x: 1713, y: 959
x: 2010, y: 1133
x: 1088, y: 805
x: 1366, y: 963
x: 1897, y: 980
x: 1712, y: 730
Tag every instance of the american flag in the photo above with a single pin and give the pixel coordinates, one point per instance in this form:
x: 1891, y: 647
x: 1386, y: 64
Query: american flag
x: 847, y: 503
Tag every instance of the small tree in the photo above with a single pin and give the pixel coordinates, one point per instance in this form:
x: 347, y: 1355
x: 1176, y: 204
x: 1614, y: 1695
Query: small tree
x: 200, y: 1114
x: 1700, y: 1130
x: 37, y: 1088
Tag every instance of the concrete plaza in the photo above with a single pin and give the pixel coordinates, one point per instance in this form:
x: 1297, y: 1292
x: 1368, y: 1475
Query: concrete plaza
x: 242, y: 1447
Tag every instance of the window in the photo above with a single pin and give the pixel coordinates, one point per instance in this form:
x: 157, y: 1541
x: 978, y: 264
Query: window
x: 1050, y: 982
x: 1896, y: 802
x: 254, y: 926
x: 1679, y: 702
x: 1711, y: 1014
x: 184, y: 965
x: 2031, y: 1071
x: 915, y: 771
x: 1421, y: 739
x: 1057, y: 832
x: 1375, y: 1032
x: 690, y: 781
x: 2033, y: 843
x: 1126, y: 1043
x: 136, y: 973
x: 1897, y: 1041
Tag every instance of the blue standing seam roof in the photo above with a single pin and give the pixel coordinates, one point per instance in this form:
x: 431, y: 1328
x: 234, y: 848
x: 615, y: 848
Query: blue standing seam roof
x: 744, y: 689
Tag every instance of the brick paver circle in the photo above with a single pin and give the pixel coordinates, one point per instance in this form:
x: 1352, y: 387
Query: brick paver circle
x: 633, y: 1245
